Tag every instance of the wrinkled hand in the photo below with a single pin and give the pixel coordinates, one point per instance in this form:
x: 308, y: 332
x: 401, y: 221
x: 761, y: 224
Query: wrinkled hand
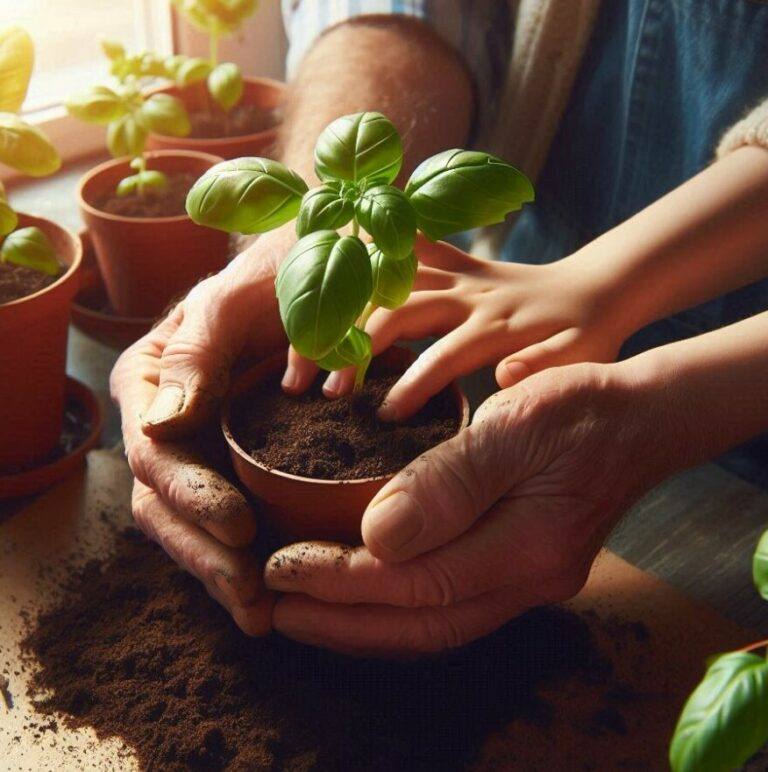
x: 507, y: 515
x: 520, y: 318
x: 168, y: 385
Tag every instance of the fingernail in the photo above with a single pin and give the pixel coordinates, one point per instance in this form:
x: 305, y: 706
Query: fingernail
x: 290, y: 379
x: 387, y: 412
x: 516, y: 371
x: 396, y: 521
x: 167, y: 405
x: 332, y: 385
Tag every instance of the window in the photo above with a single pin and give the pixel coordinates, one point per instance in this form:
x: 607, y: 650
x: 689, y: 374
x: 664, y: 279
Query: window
x: 67, y: 36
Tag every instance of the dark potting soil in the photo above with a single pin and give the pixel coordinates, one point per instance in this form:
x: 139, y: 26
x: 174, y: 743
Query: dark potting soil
x: 18, y: 281
x: 341, y: 439
x: 136, y: 649
x: 75, y: 428
x: 240, y: 120
x: 169, y: 202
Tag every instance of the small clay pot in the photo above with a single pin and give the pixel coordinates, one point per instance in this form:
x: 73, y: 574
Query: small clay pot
x: 91, y: 313
x: 33, y: 353
x: 304, y: 507
x: 146, y: 262
x: 263, y: 92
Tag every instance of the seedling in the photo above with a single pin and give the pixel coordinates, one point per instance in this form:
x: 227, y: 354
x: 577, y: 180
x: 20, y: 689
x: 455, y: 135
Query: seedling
x: 129, y: 116
x: 329, y: 285
x: 217, y: 19
x: 25, y: 148
x: 725, y: 720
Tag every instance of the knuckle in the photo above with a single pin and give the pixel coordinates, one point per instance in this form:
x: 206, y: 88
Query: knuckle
x: 432, y: 585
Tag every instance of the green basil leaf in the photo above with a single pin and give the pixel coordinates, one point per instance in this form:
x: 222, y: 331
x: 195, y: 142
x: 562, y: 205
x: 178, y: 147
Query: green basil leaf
x: 192, y: 70
x: 225, y: 84
x: 151, y: 178
x: 392, y: 279
x: 363, y: 146
x: 30, y: 247
x: 99, y: 105
x: 323, y: 208
x: 760, y: 566
x: 126, y: 136
x: 8, y: 218
x: 355, y: 349
x: 164, y: 114
x: 322, y: 287
x: 725, y: 720
x: 461, y: 189
x: 25, y: 148
x: 17, y: 55
x: 246, y: 195
x: 112, y: 49
x: 216, y: 17
x: 390, y: 219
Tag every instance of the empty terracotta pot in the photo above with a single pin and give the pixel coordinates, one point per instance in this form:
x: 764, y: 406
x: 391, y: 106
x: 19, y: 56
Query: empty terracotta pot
x: 33, y: 353
x: 303, y: 507
x: 146, y: 262
x: 262, y: 92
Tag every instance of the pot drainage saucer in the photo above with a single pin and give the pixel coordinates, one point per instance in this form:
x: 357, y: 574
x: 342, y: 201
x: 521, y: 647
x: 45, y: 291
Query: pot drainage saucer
x: 91, y: 312
x: 81, y: 430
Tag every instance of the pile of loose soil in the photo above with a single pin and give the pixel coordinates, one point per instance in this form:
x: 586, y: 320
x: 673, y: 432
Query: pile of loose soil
x: 18, y: 281
x: 341, y: 439
x: 240, y: 120
x: 136, y: 649
x: 169, y: 202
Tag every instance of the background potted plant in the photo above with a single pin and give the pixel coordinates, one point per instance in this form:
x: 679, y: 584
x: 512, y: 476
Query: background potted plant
x: 147, y: 248
x: 725, y: 720
x: 231, y: 115
x: 39, y: 265
x: 328, y: 286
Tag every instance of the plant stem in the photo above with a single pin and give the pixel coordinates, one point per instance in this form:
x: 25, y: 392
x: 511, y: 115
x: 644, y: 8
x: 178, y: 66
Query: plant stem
x: 355, y: 227
x: 140, y: 171
x: 360, y: 376
x: 366, y: 315
x: 753, y: 646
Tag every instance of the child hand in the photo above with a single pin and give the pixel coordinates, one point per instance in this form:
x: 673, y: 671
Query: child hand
x: 521, y: 318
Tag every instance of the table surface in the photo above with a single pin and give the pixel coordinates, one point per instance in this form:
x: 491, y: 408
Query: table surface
x: 697, y: 531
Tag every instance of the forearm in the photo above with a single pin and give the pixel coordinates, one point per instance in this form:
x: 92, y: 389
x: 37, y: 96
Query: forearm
x: 703, y: 239
x: 706, y: 394
x: 388, y: 64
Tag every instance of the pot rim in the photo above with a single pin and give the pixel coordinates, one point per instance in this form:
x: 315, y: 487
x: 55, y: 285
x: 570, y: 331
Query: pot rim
x: 272, y: 363
x: 220, y: 141
x: 113, y: 162
x: 77, y: 250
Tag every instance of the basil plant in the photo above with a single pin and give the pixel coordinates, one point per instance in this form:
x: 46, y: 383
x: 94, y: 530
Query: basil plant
x: 216, y: 19
x: 725, y: 720
x: 329, y: 284
x: 129, y: 115
x: 25, y: 148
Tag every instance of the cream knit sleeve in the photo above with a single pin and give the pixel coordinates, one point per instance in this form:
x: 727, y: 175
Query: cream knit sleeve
x: 752, y: 130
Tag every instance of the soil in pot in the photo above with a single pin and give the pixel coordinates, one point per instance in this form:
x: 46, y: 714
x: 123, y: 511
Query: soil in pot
x: 341, y: 439
x: 18, y: 281
x: 136, y: 649
x: 240, y: 120
x: 169, y: 202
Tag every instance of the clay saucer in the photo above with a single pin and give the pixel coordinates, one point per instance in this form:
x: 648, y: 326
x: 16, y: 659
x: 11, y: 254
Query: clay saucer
x: 91, y: 311
x: 66, y: 459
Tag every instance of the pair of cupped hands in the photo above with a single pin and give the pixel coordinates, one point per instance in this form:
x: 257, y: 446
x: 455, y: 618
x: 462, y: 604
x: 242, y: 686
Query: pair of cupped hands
x: 507, y: 515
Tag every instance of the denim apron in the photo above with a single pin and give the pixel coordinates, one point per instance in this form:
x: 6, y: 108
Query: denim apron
x: 660, y: 83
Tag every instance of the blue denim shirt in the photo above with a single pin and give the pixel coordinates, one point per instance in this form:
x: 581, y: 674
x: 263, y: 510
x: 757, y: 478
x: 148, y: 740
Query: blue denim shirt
x: 661, y: 82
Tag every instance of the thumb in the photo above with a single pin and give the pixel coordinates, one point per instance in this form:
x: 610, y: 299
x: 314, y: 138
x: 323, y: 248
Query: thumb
x: 438, y: 496
x: 194, y: 364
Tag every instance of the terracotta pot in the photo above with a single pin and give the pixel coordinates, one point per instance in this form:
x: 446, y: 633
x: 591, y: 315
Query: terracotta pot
x: 33, y: 353
x: 146, y: 262
x: 262, y: 92
x: 91, y: 312
x: 303, y: 507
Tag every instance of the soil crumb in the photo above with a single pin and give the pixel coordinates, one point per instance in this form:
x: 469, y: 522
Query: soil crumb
x: 169, y: 202
x: 240, y: 120
x: 341, y: 439
x: 136, y: 649
x: 18, y: 281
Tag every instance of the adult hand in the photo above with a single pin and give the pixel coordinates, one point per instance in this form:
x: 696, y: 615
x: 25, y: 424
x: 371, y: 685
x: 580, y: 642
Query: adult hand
x: 520, y: 318
x: 507, y: 515
x: 168, y: 385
